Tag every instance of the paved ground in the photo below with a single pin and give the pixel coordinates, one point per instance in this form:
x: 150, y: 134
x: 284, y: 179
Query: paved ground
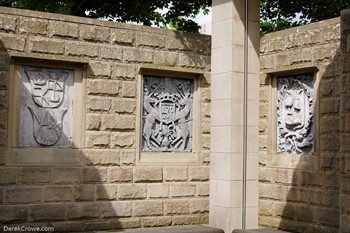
x: 174, y: 229
x: 190, y: 229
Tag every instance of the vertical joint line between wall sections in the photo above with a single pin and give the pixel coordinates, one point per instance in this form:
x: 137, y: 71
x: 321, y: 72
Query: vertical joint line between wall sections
x: 245, y: 117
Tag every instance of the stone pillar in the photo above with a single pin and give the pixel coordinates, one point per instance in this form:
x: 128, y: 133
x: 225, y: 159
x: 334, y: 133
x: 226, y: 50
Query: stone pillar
x: 226, y: 175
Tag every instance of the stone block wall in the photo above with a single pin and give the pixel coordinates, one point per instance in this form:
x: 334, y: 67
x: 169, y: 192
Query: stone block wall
x: 109, y: 189
x: 300, y: 192
x: 345, y: 124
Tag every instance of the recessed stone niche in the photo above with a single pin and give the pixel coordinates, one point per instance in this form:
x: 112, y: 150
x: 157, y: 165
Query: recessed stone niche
x: 46, y: 107
x: 167, y: 114
x: 46, y: 113
x: 295, y: 114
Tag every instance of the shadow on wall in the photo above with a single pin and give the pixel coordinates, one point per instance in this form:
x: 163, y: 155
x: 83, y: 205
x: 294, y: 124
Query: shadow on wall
x: 311, y: 187
x: 65, y: 197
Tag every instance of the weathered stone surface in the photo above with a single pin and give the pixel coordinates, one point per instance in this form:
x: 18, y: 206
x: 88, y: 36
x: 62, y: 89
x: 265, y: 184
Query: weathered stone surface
x: 165, y: 58
x: 127, y: 158
x: 100, y: 69
x: 182, y: 190
x: 104, y: 87
x: 93, y: 121
x: 329, y: 124
x: 8, y: 23
x: 123, y: 106
x: 175, y: 173
x: 47, y: 212
x: 94, y: 174
x: 158, y: 190
x: 156, y: 221
x: 10, y: 213
x: 97, y: 139
x: 116, y: 209
x: 176, y: 206
x: 57, y: 193
x: 99, y: 104
x: 132, y: 191
x: 11, y: 42
x: 102, y: 157
x: 3, y: 99
x: 148, y: 208
x: 83, y: 210
x: 199, y: 205
x: 65, y: 175
x: 16, y: 195
x: 202, y: 189
x: 47, y: 46
x: 192, y: 60
x: 205, y: 126
x: 138, y: 55
x: 128, y: 89
x: 123, y: 36
x: 199, y: 173
x: 186, y: 220
x: 8, y: 176
x: 4, y: 80
x: 84, y: 192
x: 148, y: 174
x: 329, y: 105
x: 150, y: 40
x: 81, y: 49
x: 117, y: 122
x: 120, y: 174
x: 96, y: 34
x: 34, y: 175
x: 126, y: 72
x: 106, y: 192
x: 205, y: 141
x: 33, y: 26
x: 4, y: 63
x: 63, y: 29
x: 127, y: 223
x: 112, y: 52
x: 122, y: 140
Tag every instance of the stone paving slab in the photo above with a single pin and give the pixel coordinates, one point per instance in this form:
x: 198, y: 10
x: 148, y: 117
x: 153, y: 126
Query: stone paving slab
x: 259, y: 231
x: 174, y: 229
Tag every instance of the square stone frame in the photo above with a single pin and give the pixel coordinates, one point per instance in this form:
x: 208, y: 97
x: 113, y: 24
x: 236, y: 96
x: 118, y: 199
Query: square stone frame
x: 32, y: 156
x: 286, y: 160
x: 170, y: 158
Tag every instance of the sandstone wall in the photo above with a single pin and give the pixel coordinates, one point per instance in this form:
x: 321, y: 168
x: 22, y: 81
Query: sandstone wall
x: 110, y: 189
x: 300, y: 192
x: 345, y: 125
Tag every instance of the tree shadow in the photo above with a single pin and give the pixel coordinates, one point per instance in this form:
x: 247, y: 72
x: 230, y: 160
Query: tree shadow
x: 301, y: 193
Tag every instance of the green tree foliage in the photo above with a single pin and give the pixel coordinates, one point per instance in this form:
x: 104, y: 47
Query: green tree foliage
x: 274, y: 14
x: 179, y: 12
x: 282, y: 14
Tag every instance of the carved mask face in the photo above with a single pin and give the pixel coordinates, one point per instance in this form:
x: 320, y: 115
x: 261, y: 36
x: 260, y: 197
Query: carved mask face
x: 293, y: 106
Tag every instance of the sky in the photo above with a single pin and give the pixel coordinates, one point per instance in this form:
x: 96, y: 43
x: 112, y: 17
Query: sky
x: 203, y: 19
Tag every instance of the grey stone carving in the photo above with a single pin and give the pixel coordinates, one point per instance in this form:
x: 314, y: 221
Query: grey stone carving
x: 295, y: 114
x: 167, y: 114
x: 46, y: 107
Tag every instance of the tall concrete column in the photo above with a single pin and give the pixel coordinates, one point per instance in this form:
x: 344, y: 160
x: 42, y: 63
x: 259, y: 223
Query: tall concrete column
x: 227, y: 118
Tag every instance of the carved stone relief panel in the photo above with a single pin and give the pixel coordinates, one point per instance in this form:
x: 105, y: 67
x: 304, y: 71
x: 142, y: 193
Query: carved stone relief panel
x: 46, y: 107
x: 295, y: 114
x: 167, y: 114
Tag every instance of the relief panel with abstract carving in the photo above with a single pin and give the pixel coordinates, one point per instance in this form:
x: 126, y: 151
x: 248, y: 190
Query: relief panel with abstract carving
x: 295, y: 114
x: 46, y: 107
x: 167, y: 114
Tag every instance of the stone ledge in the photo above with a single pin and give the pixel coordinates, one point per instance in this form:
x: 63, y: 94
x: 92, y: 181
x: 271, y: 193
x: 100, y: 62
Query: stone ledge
x: 174, y: 229
x: 259, y: 231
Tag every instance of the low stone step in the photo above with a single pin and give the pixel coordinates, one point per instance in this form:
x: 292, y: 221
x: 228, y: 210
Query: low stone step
x: 265, y: 230
x: 174, y: 229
